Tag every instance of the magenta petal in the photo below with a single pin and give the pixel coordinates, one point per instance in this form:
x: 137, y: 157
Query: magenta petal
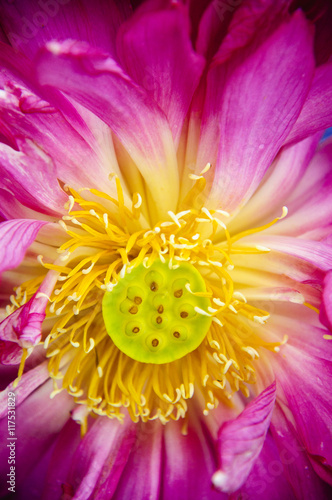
x: 101, y: 461
x: 326, y: 308
x: 141, y: 477
x: 252, y: 102
x: 156, y: 51
x: 30, y: 23
x: 316, y: 114
x: 189, y: 464
x: 98, y: 83
x: 16, y: 236
x: 240, y: 441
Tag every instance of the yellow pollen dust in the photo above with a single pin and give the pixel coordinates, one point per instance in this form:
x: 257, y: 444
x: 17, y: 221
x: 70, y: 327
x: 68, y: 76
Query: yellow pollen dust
x: 105, y: 243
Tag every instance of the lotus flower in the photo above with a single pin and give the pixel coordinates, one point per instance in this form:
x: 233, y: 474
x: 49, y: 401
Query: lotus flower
x: 166, y: 249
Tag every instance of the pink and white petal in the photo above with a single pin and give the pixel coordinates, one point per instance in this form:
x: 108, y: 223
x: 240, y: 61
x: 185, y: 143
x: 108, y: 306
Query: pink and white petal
x: 101, y: 461
x: 22, y: 329
x: 155, y: 50
x: 95, y: 80
x: 29, y: 24
x: 316, y: 114
x: 295, y: 461
x: 10, y: 208
x: 142, y: 475
x: 240, y: 441
x: 16, y: 236
x: 326, y: 307
x: 278, y: 183
x: 41, y: 131
x: 38, y: 421
x: 267, y: 478
x: 249, y: 127
x: 314, y: 252
x: 189, y: 464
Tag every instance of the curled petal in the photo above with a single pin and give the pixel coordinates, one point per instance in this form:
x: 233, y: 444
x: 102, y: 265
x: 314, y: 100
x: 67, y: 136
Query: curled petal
x: 241, y: 440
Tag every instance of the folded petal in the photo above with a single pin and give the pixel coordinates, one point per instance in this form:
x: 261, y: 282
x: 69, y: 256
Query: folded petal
x: 16, y: 236
x: 252, y: 101
x: 156, y: 51
x: 22, y: 329
x: 99, y: 84
x: 240, y: 441
x: 30, y: 24
x: 316, y: 114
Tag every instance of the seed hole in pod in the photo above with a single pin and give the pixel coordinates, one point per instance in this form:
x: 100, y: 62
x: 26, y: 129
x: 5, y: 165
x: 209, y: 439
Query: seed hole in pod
x: 184, y: 314
x: 153, y: 286
x: 176, y: 335
x: 178, y: 293
x: 155, y: 342
x: 159, y: 320
x: 133, y: 310
x: 135, y: 329
x: 160, y: 309
x: 138, y: 300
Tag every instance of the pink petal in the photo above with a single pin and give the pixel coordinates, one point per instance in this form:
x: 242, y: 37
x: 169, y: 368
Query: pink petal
x: 42, y: 133
x: 315, y: 252
x: 240, y: 441
x: 252, y: 102
x: 98, y: 83
x: 98, y: 460
x: 156, y: 52
x: 29, y: 24
x: 326, y: 307
x: 22, y: 328
x: 316, y: 114
x: 142, y: 475
x: 189, y: 464
x: 38, y: 421
x: 281, y: 179
x: 267, y: 478
x: 294, y: 461
x: 16, y: 236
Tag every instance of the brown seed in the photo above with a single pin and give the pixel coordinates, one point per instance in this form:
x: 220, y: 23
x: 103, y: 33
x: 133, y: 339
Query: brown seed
x: 159, y: 320
x: 135, y: 329
x: 138, y: 300
x: 160, y: 309
x: 176, y: 335
x: 133, y: 310
x: 184, y: 314
x: 178, y: 293
x: 154, y: 286
x: 155, y: 342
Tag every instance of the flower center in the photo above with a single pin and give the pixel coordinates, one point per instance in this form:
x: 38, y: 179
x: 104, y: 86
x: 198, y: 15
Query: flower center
x: 153, y: 314
x: 144, y: 316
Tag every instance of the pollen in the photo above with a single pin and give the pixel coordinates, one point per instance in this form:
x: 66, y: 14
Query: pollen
x: 143, y: 316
